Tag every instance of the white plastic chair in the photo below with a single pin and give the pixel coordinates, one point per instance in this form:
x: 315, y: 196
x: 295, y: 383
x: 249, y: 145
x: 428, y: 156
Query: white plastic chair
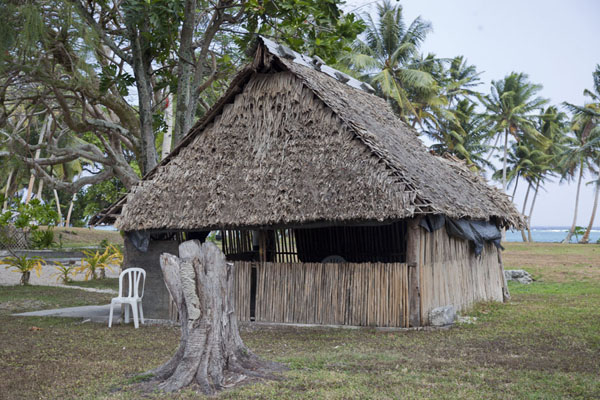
x: 133, y: 298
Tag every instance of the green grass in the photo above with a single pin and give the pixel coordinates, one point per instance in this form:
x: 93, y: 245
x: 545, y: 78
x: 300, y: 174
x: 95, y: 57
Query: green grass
x: 84, y: 237
x: 30, y: 298
x: 107, y: 283
x: 544, y: 344
x: 586, y: 250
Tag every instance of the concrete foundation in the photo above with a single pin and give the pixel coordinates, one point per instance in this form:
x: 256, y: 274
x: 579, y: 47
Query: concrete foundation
x: 156, y: 297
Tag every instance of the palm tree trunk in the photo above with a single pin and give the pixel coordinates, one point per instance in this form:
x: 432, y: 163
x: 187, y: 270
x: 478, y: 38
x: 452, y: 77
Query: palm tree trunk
x: 493, y: 149
x: 60, y: 218
x: 504, y: 160
x: 515, y: 189
x: 523, y: 212
x: 8, y: 181
x: 586, y: 237
x: 537, y: 188
x: 574, y: 224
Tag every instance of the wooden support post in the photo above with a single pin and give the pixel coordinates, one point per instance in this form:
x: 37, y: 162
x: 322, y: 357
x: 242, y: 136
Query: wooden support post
x: 262, y: 245
x: 505, y: 292
x: 413, y: 262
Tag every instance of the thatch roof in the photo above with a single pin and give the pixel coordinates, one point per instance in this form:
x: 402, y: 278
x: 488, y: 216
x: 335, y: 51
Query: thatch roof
x: 292, y: 143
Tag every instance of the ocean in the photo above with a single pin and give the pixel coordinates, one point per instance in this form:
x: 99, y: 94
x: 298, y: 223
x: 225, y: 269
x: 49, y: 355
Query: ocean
x: 550, y: 234
x: 539, y: 233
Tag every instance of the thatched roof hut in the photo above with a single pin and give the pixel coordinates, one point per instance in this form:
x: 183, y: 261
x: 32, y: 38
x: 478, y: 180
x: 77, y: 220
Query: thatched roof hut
x: 289, y: 144
x: 300, y: 165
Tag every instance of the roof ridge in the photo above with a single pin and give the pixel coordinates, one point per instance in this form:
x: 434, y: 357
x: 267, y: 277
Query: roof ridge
x: 314, y: 62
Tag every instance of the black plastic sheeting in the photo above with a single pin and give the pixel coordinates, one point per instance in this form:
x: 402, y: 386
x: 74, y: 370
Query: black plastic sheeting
x: 477, y: 232
x: 139, y: 239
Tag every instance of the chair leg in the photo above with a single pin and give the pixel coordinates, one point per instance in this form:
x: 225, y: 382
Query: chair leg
x: 110, y: 315
x: 127, y: 306
x: 136, y: 322
x: 141, y: 313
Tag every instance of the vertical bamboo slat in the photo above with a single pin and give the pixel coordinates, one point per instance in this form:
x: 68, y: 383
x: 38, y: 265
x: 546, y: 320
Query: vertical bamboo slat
x: 332, y: 294
x: 452, y: 274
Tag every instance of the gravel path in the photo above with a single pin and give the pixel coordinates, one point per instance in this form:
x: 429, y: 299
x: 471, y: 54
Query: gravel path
x: 47, y: 276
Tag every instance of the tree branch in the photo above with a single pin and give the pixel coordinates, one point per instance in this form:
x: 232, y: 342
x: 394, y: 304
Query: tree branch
x: 100, y: 31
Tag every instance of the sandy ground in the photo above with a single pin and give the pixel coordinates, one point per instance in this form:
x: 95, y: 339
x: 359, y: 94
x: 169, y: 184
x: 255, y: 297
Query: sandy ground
x: 48, y: 276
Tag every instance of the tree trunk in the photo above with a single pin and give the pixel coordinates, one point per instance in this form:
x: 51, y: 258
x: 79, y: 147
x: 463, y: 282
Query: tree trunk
x: 512, y: 198
x: 586, y: 237
x: 504, y: 161
x: 504, y: 174
x: 142, y: 70
x: 167, y: 138
x: 523, y: 212
x: 25, y: 278
x: 40, y: 189
x: 574, y: 224
x: 529, y: 236
x: 494, y: 148
x: 211, y: 353
x: 30, y: 187
x: 36, y: 156
x: 185, y: 71
x: 8, y: 181
x: 68, y: 221
x: 60, y: 218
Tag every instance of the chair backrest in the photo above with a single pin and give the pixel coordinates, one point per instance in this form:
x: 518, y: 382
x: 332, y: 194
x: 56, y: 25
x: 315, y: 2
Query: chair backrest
x: 135, y: 276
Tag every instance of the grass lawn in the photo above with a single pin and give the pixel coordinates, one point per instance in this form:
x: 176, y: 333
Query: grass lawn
x: 107, y: 283
x: 544, y: 344
x: 85, y: 237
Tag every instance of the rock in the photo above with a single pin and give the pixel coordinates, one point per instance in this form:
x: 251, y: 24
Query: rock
x: 442, y: 316
x: 518, y: 275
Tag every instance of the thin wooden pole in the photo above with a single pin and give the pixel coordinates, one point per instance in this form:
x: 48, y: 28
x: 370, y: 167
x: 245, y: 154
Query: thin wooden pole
x: 413, y: 261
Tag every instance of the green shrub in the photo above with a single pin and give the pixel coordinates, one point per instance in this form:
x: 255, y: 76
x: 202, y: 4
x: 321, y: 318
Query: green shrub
x: 94, y: 263
x: 42, y: 239
x: 64, y: 271
x: 24, y: 265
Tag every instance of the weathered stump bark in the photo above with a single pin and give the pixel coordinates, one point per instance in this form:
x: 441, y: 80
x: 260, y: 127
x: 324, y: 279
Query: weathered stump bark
x: 211, y: 353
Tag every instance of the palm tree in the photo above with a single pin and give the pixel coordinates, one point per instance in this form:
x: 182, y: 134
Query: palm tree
x: 552, y: 124
x: 587, y: 119
x: 389, y: 57
x: 576, y: 160
x: 463, y: 136
x: 459, y: 80
x: 511, y: 106
x: 525, y: 160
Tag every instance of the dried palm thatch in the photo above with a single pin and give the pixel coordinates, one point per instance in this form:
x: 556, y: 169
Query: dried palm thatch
x: 289, y: 144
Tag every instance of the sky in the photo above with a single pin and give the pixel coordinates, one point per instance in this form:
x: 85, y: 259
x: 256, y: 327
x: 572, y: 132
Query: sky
x: 554, y: 42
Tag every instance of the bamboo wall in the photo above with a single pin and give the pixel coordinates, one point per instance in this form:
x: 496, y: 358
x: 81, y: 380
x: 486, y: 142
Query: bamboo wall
x: 451, y: 273
x: 370, y: 294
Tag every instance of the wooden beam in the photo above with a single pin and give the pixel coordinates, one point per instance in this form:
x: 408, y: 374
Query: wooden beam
x: 412, y: 259
x: 262, y: 245
x: 505, y: 292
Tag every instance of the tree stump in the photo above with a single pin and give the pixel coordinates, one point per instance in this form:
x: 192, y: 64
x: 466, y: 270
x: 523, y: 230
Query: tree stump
x: 211, y: 353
